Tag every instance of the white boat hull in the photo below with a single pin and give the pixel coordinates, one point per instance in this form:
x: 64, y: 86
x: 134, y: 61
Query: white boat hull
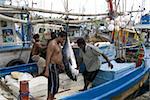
x: 9, y: 55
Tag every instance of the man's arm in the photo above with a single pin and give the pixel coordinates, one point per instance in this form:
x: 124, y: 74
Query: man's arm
x: 97, y: 52
x: 41, y: 46
x: 50, y: 50
x: 106, y: 58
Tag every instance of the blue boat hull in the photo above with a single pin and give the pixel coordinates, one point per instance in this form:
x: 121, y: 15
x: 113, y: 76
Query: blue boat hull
x: 31, y: 68
x: 116, y: 89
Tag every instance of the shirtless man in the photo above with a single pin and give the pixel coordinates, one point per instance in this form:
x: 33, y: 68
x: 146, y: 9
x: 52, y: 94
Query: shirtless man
x: 53, y: 61
x: 36, y: 45
x: 35, y: 53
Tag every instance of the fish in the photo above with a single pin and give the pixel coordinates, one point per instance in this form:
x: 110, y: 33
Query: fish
x: 69, y: 60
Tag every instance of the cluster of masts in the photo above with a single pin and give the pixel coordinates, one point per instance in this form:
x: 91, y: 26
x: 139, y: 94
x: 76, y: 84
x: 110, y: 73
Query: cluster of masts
x: 27, y: 10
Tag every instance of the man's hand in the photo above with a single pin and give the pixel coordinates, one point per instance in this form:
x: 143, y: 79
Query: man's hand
x: 110, y: 65
x: 78, y: 67
x: 62, y: 67
x: 46, y: 74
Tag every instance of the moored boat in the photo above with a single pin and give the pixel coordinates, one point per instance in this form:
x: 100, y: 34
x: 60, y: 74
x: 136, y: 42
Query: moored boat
x: 123, y: 80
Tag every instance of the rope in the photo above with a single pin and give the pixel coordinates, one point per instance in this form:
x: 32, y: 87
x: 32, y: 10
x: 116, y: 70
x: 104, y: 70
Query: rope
x: 25, y: 94
x: 22, y: 94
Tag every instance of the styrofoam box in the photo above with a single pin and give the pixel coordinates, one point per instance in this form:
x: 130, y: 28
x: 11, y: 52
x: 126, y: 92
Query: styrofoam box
x: 106, y: 74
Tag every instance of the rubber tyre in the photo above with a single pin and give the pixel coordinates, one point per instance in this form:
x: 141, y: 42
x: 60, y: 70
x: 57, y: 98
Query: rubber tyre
x: 15, y: 62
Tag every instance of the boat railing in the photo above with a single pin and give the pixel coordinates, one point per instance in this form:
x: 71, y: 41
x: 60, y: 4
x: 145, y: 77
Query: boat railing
x: 15, y: 43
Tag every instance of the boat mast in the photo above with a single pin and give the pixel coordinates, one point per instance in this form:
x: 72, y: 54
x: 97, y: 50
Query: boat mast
x: 111, y: 10
x: 66, y: 18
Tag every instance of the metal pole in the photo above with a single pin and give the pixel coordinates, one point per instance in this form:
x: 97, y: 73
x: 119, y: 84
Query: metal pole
x: 66, y: 10
x: 29, y: 28
x: 119, y: 43
x: 22, y: 30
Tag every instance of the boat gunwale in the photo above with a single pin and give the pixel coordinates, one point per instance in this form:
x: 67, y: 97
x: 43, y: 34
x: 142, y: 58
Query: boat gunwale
x: 140, y: 72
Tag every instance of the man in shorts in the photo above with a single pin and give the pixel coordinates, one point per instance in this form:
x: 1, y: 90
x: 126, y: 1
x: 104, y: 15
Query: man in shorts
x: 53, y: 63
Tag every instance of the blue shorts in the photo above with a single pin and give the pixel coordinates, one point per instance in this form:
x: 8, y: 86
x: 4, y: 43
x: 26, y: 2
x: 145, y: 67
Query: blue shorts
x: 53, y: 79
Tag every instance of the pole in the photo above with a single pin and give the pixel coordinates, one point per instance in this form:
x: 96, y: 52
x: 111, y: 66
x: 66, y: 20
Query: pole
x: 110, y: 7
x: 29, y: 27
x: 22, y: 30
x: 66, y: 10
x: 51, y: 8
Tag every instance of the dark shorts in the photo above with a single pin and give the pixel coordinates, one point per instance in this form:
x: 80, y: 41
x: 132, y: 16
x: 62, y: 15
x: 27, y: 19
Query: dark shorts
x: 90, y: 76
x: 53, y: 79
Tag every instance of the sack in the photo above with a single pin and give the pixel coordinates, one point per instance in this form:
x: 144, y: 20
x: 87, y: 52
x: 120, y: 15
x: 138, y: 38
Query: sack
x: 41, y: 62
x: 35, y: 58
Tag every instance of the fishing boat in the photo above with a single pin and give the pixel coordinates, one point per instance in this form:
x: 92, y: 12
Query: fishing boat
x: 121, y: 85
x: 13, y: 48
x: 117, y: 83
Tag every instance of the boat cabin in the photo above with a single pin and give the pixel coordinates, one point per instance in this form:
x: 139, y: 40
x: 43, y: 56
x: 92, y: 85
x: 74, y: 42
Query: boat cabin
x: 44, y: 30
x: 12, y: 49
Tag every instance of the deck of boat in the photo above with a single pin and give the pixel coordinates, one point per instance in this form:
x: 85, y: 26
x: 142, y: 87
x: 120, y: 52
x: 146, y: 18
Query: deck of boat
x: 67, y: 87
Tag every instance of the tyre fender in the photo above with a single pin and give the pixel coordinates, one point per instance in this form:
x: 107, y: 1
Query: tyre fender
x: 15, y: 62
